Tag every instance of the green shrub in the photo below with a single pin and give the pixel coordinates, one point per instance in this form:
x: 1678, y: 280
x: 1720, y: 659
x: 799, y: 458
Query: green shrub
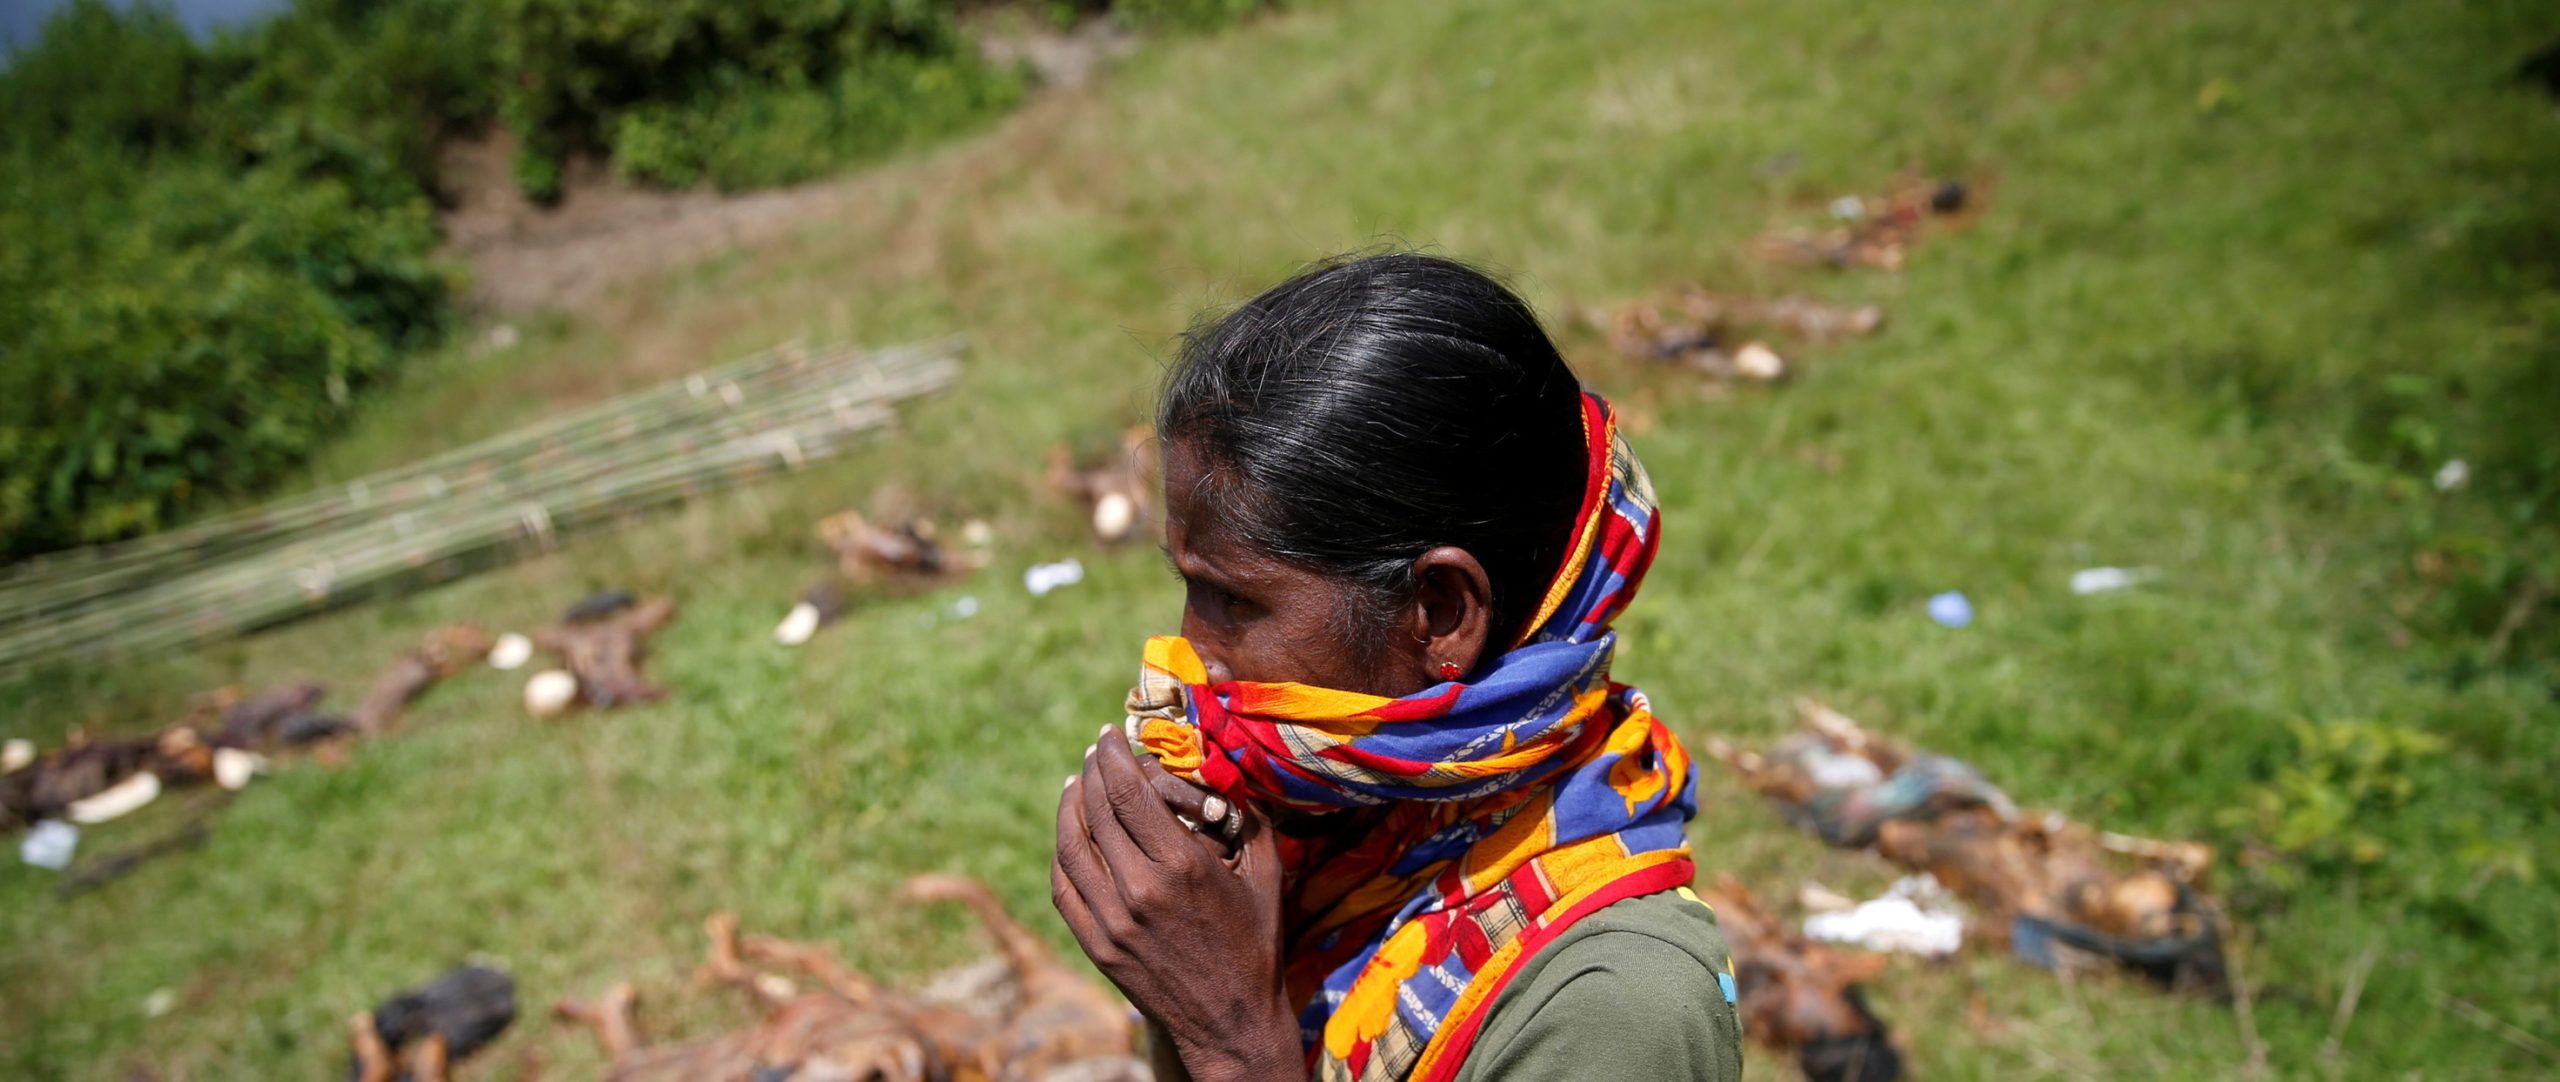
x: 1185, y: 14
x: 739, y: 93
x: 753, y: 137
x: 210, y: 253
x: 211, y: 250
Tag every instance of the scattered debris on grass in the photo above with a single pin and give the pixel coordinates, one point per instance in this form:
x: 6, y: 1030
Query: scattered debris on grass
x: 108, y: 868
x: 868, y: 554
x: 1724, y: 336
x: 418, y: 1035
x: 50, y: 845
x: 97, y: 779
x: 2099, y: 580
x: 224, y: 739
x: 1871, y: 231
x: 1037, y: 1018
x: 1914, y: 916
x: 2052, y: 890
x: 550, y: 693
x: 445, y: 654
x: 601, y: 642
x: 1951, y: 609
x: 1117, y: 492
x: 511, y: 651
x: 1798, y: 996
x: 1040, y: 579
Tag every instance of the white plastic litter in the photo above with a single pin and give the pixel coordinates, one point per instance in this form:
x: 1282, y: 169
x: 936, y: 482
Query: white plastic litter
x: 49, y: 844
x: 1845, y: 771
x: 1915, y: 916
x: 797, y: 627
x: 232, y: 767
x: 2099, y: 580
x: 1755, y: 360
x: 115, y: 801
x: 1042, y: 578
x: 2454, y: 474
x: 16, y: 754
x: 547, y: 694
x: 1951, y: 609
x: 510, y: 652
x: 1114, y: 515
x: 1816, y: 898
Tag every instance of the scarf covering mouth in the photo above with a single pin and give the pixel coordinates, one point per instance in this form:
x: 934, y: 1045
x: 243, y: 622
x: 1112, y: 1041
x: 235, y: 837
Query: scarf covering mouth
x: 1499, y: 809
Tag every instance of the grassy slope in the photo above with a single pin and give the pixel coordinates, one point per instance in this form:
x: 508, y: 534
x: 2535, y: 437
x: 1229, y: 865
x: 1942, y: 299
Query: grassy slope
x: 2130, y: 360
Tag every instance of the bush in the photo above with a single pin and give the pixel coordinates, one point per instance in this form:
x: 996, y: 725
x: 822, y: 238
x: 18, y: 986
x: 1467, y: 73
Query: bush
x: 212, y: 250
x: 739, y: 93
x: 203, y: 267
x: 1185, y: 14
x: 756, y: 137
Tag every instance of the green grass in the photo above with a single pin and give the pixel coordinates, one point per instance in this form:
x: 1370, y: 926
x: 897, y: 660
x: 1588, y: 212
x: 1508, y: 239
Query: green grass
x: 2222, y: 333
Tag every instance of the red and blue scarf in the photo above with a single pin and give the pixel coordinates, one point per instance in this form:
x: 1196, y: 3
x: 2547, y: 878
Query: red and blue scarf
x: 1500, y: 810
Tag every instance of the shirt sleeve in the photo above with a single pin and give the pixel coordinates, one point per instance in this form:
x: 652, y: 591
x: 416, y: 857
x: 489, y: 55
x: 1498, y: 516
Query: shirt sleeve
x: 1615, y: 1004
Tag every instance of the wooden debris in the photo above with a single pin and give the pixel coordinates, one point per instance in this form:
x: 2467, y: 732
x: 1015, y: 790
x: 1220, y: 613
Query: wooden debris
x: 1042, y: 1020
x: 85, y: 768
x: 1802, y: 997
x: 446, y: 653
x: 909, y: 552
x: 867, y: 553
x: 2059, y: 893
x: 1872, y: 232
x: 420, y: 1034
x: 602, y: 642
x: 100, y: 871
x: 1725, y: 336
x: 1118, y: 493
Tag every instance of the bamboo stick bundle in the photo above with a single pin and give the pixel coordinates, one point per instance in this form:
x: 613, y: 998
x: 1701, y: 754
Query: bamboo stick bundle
x: 567, y: 474
x: 346, y: 565
x: 268, y: 591
x: 54, y: 578
x: 45, y: 585
x: 506, y: 460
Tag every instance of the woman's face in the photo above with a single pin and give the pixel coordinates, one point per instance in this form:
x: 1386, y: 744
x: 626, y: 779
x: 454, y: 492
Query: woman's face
x: 1252, y: 616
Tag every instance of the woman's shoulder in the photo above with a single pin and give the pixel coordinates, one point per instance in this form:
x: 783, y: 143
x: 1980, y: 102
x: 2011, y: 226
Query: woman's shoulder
x: 1645, y: 984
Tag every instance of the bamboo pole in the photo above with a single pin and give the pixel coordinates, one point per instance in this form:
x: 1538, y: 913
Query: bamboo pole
x: 263, y: 566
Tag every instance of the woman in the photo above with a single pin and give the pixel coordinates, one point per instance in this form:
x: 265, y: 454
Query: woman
x: 1387, y: 817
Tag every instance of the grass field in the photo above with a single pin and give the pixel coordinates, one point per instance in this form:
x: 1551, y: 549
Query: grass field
x: 2245, y: 274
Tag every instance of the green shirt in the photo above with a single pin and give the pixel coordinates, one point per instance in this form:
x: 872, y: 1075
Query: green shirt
x: 1638, y: 990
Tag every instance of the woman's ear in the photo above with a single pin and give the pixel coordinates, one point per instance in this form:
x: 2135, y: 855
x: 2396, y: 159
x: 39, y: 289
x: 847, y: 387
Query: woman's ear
x: 1451, y: 619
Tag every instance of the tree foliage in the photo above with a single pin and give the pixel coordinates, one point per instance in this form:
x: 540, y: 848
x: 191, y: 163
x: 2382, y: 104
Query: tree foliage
x: 214, y: 250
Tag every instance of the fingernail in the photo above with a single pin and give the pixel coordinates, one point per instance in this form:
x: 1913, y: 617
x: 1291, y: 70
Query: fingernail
x: 1107, y: 730
x: 1070, y: 784
x: 1088, y: 751
x: 1214, y: 809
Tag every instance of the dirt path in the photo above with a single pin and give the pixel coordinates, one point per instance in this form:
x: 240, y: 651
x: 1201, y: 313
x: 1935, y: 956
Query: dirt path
x: 606, y: 231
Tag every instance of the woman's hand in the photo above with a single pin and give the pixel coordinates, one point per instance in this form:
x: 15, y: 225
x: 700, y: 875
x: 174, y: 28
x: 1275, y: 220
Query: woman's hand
x: 1190, y: 933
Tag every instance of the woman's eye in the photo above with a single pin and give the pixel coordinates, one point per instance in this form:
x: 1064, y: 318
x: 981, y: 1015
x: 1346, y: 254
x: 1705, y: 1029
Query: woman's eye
x: 1217, y: 599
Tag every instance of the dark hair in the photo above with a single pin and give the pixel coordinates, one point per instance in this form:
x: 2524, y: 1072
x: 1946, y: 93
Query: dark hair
x: 1371, y: 409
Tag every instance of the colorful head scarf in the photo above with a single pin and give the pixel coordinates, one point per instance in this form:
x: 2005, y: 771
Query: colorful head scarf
x: 1503, y: 809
